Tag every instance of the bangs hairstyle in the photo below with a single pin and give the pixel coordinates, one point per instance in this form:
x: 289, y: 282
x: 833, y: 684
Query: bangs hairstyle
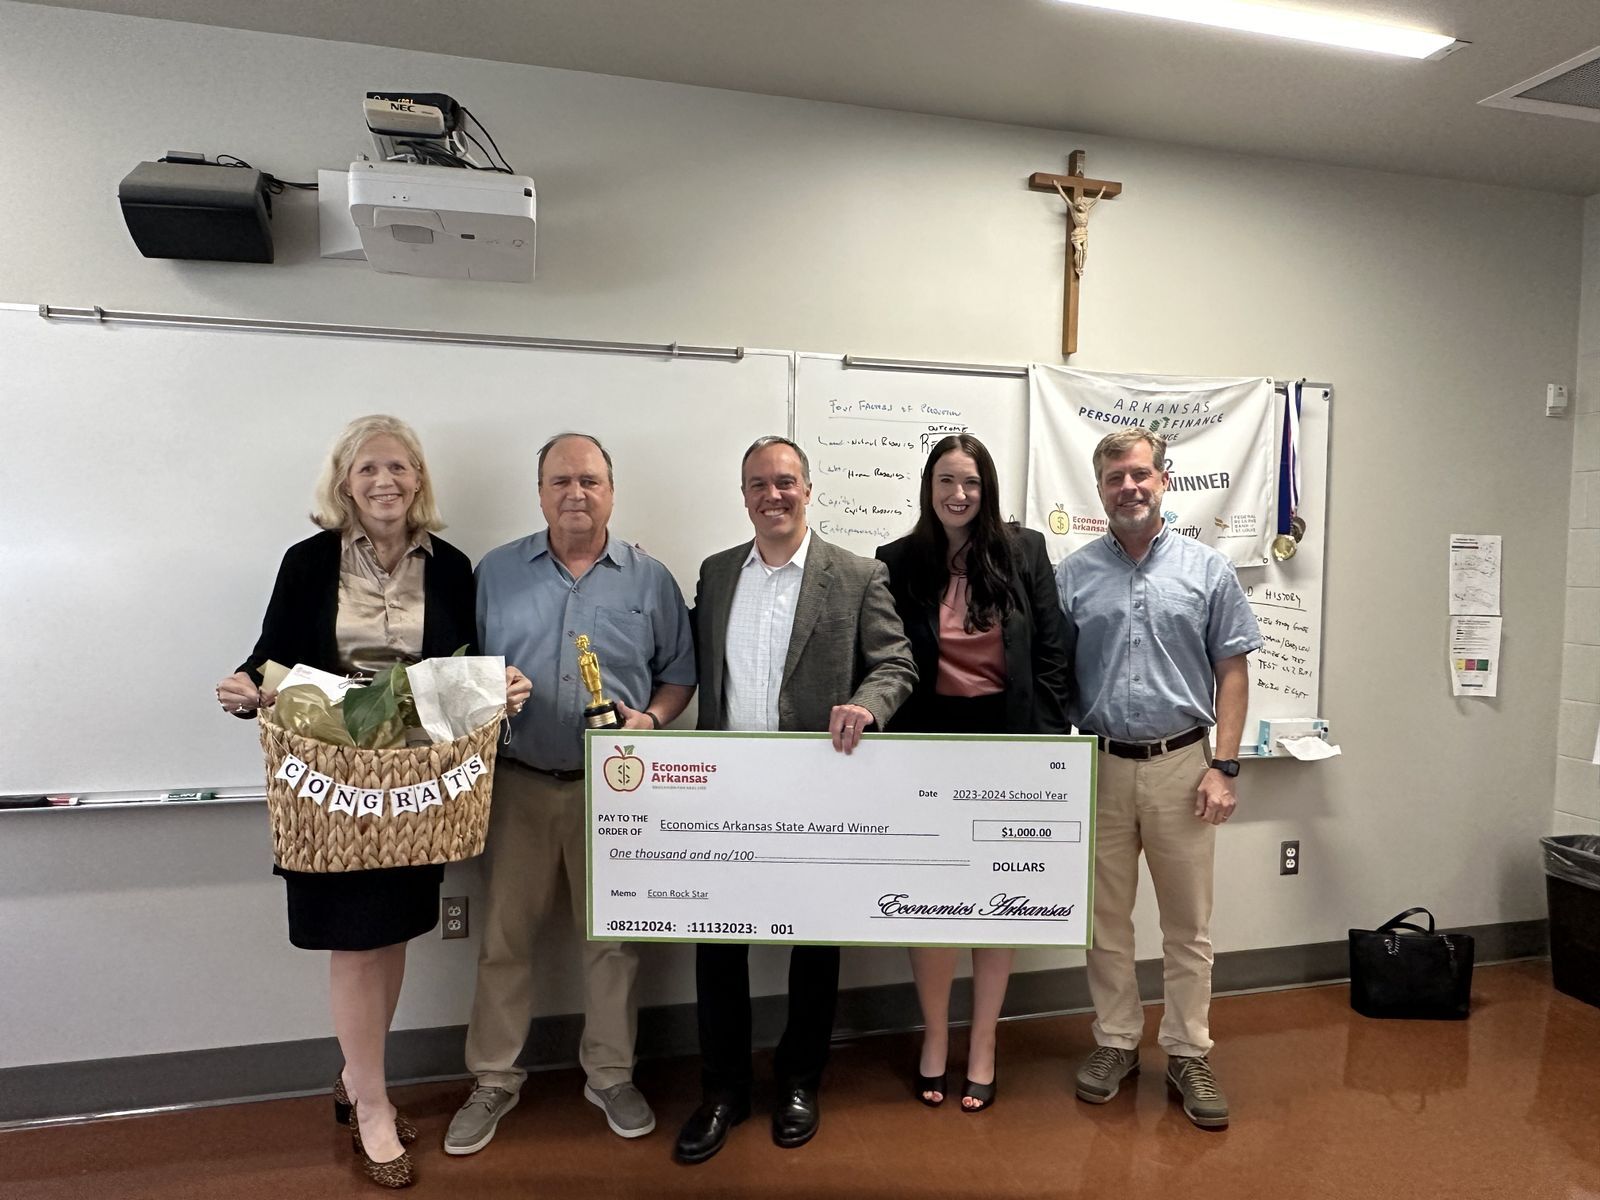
x: 989, y: 554
x: 333, y: 506
x: 1115, y: 445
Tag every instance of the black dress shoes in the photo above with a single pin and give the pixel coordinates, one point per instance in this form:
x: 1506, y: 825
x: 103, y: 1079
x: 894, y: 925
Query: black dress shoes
x: 795, y: 1120
x: 707, y: 1128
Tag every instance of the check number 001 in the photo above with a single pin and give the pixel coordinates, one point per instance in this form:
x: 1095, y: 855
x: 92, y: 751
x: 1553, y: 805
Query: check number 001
x: 738, y: 928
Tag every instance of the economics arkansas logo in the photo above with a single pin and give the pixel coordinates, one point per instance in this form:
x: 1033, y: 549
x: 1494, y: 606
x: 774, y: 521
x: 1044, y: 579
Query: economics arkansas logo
x: 624, y: 770
x: 1062, y: 522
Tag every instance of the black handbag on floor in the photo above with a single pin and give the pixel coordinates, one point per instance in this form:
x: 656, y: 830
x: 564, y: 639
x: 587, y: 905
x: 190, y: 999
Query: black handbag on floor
x: 1403, y: 970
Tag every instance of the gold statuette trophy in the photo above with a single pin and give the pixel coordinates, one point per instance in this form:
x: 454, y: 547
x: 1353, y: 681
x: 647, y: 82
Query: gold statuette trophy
x: 601, y: 713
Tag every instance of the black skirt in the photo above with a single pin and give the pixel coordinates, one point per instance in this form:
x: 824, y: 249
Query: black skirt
x: 361, y: 910
x: 961, y: 714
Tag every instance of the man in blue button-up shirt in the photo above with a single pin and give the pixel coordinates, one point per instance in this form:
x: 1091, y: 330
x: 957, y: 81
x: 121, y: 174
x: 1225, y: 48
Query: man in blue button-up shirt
x: 535, y: 595
x: 1158, y: 629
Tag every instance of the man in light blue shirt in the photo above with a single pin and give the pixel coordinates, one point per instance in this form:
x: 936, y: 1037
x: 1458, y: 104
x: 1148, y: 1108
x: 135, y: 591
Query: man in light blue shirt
x: 1158, y: 629
x: 535, y: 596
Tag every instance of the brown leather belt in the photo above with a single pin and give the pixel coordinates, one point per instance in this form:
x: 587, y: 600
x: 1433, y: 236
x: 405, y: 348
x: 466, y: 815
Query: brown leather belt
x: 1151, y: 749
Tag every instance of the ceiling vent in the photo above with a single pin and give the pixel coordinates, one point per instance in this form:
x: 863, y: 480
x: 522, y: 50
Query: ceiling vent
x: 1569, y: 90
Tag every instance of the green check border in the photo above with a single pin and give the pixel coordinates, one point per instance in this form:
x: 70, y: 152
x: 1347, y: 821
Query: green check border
x: 607, y: 739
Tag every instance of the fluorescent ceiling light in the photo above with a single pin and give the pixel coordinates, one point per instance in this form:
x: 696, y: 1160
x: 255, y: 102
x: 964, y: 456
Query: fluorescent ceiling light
x: 1327, y: 29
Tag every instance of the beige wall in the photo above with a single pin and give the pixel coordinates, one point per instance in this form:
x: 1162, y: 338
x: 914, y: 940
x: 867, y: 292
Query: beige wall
x: 1438, y: 310
x: 1577, y: 778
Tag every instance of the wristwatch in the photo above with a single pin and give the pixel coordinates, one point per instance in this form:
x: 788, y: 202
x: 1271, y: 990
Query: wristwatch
x: 1228, y: 766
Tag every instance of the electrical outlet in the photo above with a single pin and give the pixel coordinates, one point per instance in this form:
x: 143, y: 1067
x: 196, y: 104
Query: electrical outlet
x: 455, y: 916
x: 1288, y: 860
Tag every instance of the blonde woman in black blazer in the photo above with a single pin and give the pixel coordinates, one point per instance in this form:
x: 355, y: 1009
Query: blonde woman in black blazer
x: 978, y: 600
x: 374, y: 564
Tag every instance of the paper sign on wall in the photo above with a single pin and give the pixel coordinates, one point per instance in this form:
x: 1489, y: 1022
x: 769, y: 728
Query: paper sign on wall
x: 1475, y: 614
x: 1474, y: 656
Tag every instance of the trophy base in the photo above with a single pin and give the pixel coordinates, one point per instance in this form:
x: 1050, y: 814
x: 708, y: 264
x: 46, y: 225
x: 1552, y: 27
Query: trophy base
x: 601, y: 716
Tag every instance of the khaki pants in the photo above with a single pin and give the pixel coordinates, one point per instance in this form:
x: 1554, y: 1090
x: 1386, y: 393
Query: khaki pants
x: 536, y: 830
x: 1148, y: 804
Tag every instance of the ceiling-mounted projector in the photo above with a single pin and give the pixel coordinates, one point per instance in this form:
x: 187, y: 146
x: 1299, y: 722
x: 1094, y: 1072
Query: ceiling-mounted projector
x: 445, y: 222
x: 427, y: 207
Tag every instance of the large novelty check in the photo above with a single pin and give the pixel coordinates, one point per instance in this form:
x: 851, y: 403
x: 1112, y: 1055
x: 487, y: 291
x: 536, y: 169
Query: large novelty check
x: 911, y: 840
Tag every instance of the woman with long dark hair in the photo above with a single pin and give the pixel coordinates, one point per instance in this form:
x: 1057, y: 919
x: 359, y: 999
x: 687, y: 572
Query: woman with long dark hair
x: 978, y: 600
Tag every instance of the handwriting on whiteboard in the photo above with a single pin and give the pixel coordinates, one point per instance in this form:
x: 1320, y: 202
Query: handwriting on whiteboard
x: 869, y: 465
x: 1286, y: 665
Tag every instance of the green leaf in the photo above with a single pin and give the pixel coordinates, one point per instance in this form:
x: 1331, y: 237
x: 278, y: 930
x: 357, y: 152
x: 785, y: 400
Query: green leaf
x: 406, y: 705
x: 367, y: 708
x: 459, y: 650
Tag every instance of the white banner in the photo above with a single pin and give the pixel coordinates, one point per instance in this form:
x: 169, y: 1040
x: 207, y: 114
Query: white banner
x: 376, y: 802
x: 1220, y: 455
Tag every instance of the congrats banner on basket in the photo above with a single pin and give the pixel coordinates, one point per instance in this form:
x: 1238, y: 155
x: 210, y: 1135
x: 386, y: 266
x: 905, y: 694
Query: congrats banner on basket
x: 1220, y: 455
x: 327, y: 792
x: 913, y: 839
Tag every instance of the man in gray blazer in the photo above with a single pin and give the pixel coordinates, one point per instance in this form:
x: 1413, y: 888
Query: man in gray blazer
x: 791, y: 634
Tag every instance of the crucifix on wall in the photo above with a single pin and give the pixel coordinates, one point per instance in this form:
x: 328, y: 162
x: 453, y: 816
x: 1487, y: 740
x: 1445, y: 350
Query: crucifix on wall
x: 1080, y: 194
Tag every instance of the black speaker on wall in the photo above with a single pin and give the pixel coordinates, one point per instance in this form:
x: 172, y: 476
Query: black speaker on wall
x: 198, y: 211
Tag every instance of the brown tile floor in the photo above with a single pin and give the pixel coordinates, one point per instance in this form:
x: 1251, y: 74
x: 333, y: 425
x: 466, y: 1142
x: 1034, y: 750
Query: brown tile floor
x: 1326, y: 1104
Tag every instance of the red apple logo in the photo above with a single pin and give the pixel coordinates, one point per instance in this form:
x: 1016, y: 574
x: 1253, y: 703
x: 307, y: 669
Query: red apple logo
x: 624, y: 770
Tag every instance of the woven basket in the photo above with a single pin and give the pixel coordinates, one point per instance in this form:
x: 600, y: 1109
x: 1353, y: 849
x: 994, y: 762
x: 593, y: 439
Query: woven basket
x: 307, y: 837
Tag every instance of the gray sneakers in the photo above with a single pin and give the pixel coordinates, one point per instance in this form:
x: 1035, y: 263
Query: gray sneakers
x: 475, y: 1121
x: 1103, y: 1071
x: 1192, y: 1082
x: 625, y: 1107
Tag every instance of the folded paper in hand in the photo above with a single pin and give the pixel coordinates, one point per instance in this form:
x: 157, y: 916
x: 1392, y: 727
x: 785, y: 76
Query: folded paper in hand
x: 454, y: 696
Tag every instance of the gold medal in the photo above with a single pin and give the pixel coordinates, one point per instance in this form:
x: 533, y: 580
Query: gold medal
x: 1283, y: 547
x: 1297, y: 527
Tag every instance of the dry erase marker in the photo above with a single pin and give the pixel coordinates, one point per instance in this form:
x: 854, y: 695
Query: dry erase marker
x: 206, y: 795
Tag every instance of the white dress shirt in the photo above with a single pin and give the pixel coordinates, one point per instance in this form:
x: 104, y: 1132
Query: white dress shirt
x: 759, y: 625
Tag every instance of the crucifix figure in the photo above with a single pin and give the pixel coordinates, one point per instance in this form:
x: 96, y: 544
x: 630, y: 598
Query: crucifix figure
x: 1080, y: 195
x: 1078, y: 210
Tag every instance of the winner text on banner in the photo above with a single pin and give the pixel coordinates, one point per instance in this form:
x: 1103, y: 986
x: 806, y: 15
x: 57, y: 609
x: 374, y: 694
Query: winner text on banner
x: 912, y: 840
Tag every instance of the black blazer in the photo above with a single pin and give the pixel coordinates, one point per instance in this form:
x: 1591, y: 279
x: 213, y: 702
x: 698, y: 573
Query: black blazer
x: 1038, y: 674
x: 301, y: 625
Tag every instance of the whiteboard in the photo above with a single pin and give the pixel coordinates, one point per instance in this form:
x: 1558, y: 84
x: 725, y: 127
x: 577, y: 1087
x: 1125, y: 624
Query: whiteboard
x: 151, y: 479
x: 1286, y: 673
x: 868, y: 432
